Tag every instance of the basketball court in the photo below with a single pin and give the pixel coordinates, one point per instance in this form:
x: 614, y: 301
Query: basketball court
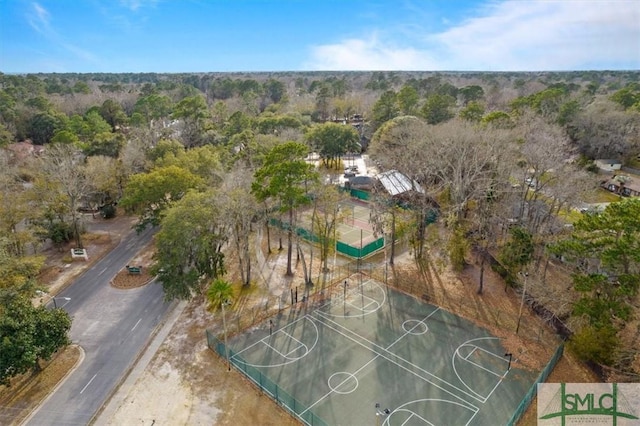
x: 372, y: 355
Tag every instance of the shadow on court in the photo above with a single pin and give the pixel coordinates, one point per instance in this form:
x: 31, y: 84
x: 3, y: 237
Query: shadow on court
x: 373, y: 355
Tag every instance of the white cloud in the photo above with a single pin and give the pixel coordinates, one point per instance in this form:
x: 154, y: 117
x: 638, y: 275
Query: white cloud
x: 134, y: 5
x: 506, y: 35
x: 369, y: 54
x: 39, y: 19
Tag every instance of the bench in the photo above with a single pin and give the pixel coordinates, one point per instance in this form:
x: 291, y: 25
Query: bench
x: 134, y: 270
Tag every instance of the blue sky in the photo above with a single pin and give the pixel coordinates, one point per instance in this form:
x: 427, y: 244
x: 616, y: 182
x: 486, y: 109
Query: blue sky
x: 301, y: 35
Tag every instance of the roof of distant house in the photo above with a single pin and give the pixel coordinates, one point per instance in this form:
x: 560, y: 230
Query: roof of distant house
x: 626, y: 181
x: 361, y: 180
x: 396, y: 183
x: 22, y: 150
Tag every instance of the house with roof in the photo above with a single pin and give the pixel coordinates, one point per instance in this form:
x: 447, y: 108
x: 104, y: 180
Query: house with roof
x: 623, y: 185
x: 20, y: 151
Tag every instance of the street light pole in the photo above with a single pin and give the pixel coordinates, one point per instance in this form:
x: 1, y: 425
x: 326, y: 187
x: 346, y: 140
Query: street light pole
x: 226, y: 345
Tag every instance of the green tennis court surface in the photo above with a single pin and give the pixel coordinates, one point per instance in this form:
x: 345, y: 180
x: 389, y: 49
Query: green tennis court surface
x: 373, y: 345
x: 353, y: 228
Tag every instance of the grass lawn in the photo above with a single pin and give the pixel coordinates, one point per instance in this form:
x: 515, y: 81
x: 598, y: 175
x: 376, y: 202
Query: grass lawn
x: 602, y: 196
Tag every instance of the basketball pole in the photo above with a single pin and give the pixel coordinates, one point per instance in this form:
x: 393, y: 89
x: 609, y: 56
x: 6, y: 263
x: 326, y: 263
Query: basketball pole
x: 360, y: 258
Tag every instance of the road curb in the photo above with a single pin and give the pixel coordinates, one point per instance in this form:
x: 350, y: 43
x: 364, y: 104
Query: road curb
x: 57, y: 386
x: 146, y: 354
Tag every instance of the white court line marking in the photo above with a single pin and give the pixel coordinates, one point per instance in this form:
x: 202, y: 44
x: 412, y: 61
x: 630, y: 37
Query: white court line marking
x: 134, y: 327
x: 471, y: 408
x: 365, y: 307
x: 418, y: 416
x: 485, y: 369
x: 470, y: 353
x: 497, y: 384
x: 341, y: 300
x: 293, y: 338
x: 407, y: 332
x: 340, y: 384
x: 87, y: 385
x: 293, y: 350
x: 264, y: 340
x: 359, y: 308
x: 351, y: 376
x: 388, y: 355
x: 456, y: 354
x: 276, y: 351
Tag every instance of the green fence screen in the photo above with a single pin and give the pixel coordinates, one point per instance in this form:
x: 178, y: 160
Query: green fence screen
x: 526, y: 401
x: 344, y: 248
x: 279, y: 395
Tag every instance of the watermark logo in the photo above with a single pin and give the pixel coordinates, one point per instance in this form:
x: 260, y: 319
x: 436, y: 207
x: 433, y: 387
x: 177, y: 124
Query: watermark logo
x: 589, y: 404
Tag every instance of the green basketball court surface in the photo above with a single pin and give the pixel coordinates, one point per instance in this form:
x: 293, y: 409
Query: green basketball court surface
x: 371, y: 355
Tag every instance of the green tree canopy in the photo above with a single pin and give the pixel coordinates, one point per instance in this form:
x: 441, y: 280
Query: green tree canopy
x: 385, y: 108
x: 408, y: 99
x: 517, y: 253
x: 150, y: 194
x: 474, y: 111
x: 437, y: 108
x: 471, y: 93
x: 189, y: 245
x: 113, y: 113
x: 333, y: 140
x: 43, y: 126
x: 28, y: 334
x: 284, y: 177
x: 202, y: 161
x: 219, y: 292
x: 153, y: 107
x: 605, y: 248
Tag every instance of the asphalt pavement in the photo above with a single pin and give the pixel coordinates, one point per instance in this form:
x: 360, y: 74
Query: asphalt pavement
x: 112, y: 326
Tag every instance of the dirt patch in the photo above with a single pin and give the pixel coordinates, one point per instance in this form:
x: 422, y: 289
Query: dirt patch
x: 101, y: 237
x: 185, y: 383
x: 27, y: 391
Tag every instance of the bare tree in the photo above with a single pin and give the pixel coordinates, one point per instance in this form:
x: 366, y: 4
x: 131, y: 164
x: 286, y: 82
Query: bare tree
x: 63, y: 165
x: 465, y: 161
x: 239, y: 208
x: 603, y: 130
x: 105, y: 179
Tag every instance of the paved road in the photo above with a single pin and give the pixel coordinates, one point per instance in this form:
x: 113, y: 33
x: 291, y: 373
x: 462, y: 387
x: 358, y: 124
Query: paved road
x: 112, y: 326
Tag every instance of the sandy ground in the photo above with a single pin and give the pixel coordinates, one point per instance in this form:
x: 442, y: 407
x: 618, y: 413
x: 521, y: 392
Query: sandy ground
x: 179, y: 381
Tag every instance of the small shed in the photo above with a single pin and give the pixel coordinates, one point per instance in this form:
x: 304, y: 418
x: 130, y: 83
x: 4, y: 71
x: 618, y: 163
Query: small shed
x: 608, y: 165
x: 361, y: 182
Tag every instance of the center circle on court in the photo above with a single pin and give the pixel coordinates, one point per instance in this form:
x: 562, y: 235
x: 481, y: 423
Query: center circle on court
x: 416, y: 327
x: 343, y: 382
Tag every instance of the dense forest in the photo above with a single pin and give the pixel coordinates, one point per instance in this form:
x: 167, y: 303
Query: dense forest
x: 506, y: 159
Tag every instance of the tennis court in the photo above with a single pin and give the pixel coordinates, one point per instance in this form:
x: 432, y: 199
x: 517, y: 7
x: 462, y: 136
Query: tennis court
x: 372, y: 355
x: 353, y: 227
